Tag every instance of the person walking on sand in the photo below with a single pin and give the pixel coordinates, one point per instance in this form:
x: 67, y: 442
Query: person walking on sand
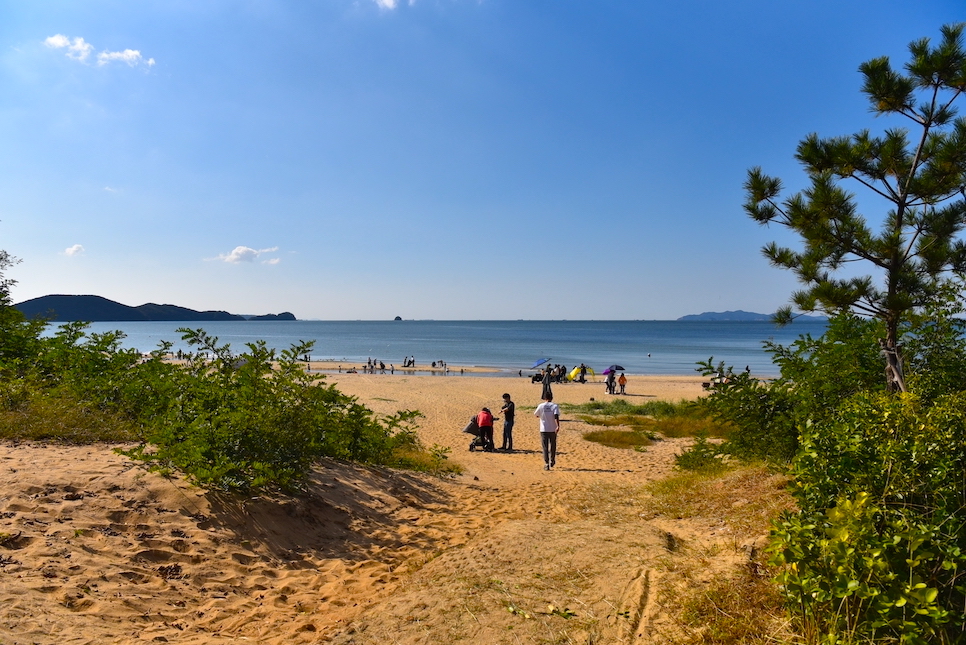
x: 508, y: 410
x: 622, y: 381
x: 485, y: 420
x: 549, y: 414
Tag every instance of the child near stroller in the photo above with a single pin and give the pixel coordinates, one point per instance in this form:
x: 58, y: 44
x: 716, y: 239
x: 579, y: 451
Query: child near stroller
x: 473, y: 429
x: 482, y: 436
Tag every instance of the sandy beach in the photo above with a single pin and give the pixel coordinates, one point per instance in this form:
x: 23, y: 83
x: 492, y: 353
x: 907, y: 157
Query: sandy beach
x: 95, y: 549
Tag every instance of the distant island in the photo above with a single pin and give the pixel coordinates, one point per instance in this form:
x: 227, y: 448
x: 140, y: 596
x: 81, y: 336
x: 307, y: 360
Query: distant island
x: 740, y: 315
x: 65, y: 308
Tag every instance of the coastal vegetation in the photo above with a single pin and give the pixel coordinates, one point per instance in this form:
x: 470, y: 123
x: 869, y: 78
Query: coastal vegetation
x: 919, y: 176
x: 249, y: 420
x: 876, y: 550
x: 636, y: 426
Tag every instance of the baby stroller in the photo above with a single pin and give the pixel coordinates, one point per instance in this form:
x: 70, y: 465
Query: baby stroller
x: 473, y: 429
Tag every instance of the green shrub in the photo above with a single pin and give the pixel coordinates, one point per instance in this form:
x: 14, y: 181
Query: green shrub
x: 703, y: 456
x: 761, y: 416
x: 878, y: 550
x: 258, y: 419
x: 817, y: 374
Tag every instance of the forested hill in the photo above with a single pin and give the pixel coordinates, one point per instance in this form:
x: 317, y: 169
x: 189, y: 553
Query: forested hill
x: 727, y: 315
x: 65, y: 308
x: 742, y: 316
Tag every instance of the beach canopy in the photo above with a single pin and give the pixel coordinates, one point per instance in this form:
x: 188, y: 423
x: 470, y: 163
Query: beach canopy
x: 540, y: 361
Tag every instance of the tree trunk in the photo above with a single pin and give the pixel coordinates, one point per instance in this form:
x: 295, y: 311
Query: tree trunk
x: 895, y: 379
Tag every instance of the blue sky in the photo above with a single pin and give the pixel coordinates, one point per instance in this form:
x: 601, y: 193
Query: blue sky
x: 447, y: 159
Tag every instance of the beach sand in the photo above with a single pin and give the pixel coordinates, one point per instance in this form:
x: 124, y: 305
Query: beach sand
x: 95, y: 549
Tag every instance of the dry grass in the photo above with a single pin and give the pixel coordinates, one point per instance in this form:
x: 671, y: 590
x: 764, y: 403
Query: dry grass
x: 745, y: 499
x: 433, y: 461
x: 650, y: 420
x: 55, y: 418
x: 719, y: 593
x: 630, y: 439
x: 742, y: 608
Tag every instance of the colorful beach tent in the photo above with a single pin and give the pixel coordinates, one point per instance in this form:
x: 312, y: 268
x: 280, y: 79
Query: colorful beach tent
x: 575, y: 372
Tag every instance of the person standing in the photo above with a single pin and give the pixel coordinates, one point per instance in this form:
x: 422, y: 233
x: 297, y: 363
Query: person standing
x: 622, y: 381
x: 508, y: 410
x: 549, y: 414
x: 485, y: 420
x: 610, y: 382
x: 547, y: 392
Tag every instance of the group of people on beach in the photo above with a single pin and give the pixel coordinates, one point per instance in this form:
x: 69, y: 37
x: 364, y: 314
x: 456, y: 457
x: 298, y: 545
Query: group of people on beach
x: 558, y: 374
x: 548, y: 412
x: 374, y: 365
x: 481, y: 426
x: 551, y: 373
x: 611, y: 383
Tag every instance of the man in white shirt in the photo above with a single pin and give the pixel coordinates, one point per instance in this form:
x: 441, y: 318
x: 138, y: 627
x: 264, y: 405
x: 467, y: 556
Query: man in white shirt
x: 549, y: 414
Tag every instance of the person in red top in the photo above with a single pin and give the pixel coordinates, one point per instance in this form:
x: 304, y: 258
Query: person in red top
x: 485, y: 420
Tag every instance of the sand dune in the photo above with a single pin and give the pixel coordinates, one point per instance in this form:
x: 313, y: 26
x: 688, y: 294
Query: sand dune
x: 95, y: 549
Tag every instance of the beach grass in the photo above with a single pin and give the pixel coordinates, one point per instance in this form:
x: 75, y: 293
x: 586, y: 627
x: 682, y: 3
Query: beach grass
x: 63, y: 419
x: 627, y: 439
x: 433, y: 460
x: 643, y: 423
x: 740, y: 604
x: 745, y: 499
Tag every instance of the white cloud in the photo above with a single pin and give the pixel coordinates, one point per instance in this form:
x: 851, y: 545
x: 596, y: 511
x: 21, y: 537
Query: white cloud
x: 386, y: 4
x: 111, y: 190
x: 272, y: 261
x: 77, y: 249
x: 130, y: 56
x: 79, y: 49
x: 246, y: 254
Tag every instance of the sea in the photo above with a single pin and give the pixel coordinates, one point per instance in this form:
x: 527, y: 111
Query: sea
x: 509, y: 347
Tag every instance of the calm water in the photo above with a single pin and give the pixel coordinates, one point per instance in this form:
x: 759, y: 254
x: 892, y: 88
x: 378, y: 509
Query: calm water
x: 641, y: 347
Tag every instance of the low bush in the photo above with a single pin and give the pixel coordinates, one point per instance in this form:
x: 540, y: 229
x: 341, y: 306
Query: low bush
x: 258, y: 419
x: 878, y: 550
x: 702, y: 456
x: 250, y: 420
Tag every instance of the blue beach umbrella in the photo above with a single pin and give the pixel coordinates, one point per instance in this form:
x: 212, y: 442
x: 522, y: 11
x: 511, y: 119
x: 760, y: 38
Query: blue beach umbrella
x: 539, y: 362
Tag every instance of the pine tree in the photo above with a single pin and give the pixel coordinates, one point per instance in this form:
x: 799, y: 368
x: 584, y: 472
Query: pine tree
x: 922, y: 176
